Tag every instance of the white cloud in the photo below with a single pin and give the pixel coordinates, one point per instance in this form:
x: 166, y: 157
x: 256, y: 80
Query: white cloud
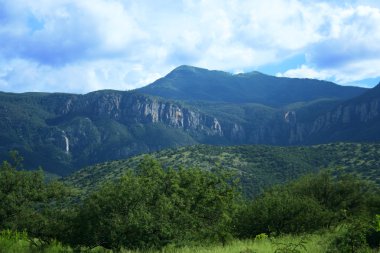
x: 79, y: 46
x: 305, y: 72
x: 350, y: 73
x: 23, y: 75
x: 350, y: 50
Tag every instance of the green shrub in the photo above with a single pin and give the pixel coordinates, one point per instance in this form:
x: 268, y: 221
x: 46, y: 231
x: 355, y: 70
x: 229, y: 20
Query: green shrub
x: 154, y: 207
x: 291, y: 247
x: 261, y: 236
x: 281, y: 212
x: 352, y: 239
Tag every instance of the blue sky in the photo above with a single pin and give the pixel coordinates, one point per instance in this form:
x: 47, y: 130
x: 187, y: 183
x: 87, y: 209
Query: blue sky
x: 82, y: 46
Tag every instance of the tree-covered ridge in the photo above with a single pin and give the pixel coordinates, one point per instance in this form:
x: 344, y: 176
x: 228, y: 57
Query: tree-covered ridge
x: 258, y: 166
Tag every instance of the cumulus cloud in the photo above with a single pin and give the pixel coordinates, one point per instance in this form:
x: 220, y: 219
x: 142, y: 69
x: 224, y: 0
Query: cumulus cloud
x: 21, y: 75
x: 349, y: 50
x: 80, y: 46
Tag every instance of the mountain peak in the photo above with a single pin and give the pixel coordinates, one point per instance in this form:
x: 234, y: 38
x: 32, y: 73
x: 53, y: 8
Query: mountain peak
x: 187, y: 69
x: 198, y: 84
x: 250, y: 74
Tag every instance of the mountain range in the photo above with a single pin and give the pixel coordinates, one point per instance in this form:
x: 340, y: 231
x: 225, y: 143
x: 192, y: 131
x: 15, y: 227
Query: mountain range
x: 64, y: 132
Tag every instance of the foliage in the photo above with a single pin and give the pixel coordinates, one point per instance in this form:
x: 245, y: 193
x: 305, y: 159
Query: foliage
x: 259, y: 167
x: 261, y: 236
x: 154, y: 207
x: 345, y: 195
x: 281, y: 213
x: 290, y: 247
x: 28, y: 202
x: 352, y: 239
x: 310, y: 203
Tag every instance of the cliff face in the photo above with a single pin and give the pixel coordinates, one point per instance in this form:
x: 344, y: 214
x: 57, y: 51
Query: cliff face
x: 128, y: 108
x: 357, y: 119
x: 348, y: 114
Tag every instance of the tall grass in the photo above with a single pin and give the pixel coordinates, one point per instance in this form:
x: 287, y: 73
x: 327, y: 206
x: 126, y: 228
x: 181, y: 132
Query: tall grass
x: 15, y: 242
x: 310, y: 243
x: 18, y: 242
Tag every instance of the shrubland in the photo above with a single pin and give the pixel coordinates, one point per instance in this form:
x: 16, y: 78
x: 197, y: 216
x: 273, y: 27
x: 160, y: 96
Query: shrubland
x: 153, y: 208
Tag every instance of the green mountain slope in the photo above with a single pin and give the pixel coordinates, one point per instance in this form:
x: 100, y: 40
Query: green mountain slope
x: 192, y: 84
x: 258, y: 166
x: 65, y: 132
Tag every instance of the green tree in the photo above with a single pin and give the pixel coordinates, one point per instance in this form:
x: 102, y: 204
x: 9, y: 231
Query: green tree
x: 281, y: 212
x: 153, y: 207
x: 29, y: 203
x: 310, y: 203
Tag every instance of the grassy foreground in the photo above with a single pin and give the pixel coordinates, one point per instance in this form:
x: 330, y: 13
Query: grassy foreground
x: 311, y: 243
x: 315, y: 243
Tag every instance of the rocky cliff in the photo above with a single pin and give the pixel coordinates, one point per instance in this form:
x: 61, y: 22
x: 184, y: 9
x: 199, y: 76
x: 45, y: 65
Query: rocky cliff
x: 357, y: 119
x: 130, y: 108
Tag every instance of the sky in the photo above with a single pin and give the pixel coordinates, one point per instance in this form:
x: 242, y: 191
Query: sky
x: 81, y: 46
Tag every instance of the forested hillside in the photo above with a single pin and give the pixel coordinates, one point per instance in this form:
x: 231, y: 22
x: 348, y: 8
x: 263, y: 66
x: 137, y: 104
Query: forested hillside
x: 258, y: 167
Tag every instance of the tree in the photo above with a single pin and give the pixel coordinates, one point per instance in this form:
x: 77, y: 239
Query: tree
x: 152, y: 207
x: 310, y: 203
x: 29, y: 203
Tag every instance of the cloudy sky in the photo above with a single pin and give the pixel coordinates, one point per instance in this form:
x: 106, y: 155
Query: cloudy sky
x: 85, y: 45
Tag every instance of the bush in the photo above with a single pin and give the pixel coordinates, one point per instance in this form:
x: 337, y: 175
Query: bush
x: 154, y: 207
x: 308, y: 204
x: 281, y: 212
x: 28, y: 202
x: 352, y: 240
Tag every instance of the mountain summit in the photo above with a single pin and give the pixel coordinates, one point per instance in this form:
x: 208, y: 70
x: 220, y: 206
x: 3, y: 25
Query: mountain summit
x: 196, y: 84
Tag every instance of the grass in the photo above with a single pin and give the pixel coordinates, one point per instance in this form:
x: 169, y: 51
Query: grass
x: 315, y: 243
x: 310, y: 243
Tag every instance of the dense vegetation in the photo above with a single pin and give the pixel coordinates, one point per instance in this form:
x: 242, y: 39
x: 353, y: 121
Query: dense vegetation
x: 258, y: 167
x: 153, y: 207
x: 147, y: 208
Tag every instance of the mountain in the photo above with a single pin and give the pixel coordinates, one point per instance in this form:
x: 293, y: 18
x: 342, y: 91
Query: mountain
x: 356, y: 119
x: 64, y: 132
x: 196, y: 84
x: 258, y: 166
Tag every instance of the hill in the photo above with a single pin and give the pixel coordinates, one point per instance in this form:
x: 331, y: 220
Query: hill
x: 257, y: 166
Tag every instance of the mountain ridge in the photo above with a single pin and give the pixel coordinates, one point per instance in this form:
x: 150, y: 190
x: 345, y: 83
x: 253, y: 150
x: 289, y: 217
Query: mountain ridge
x: 63, y: 132
x: 193, y: 84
